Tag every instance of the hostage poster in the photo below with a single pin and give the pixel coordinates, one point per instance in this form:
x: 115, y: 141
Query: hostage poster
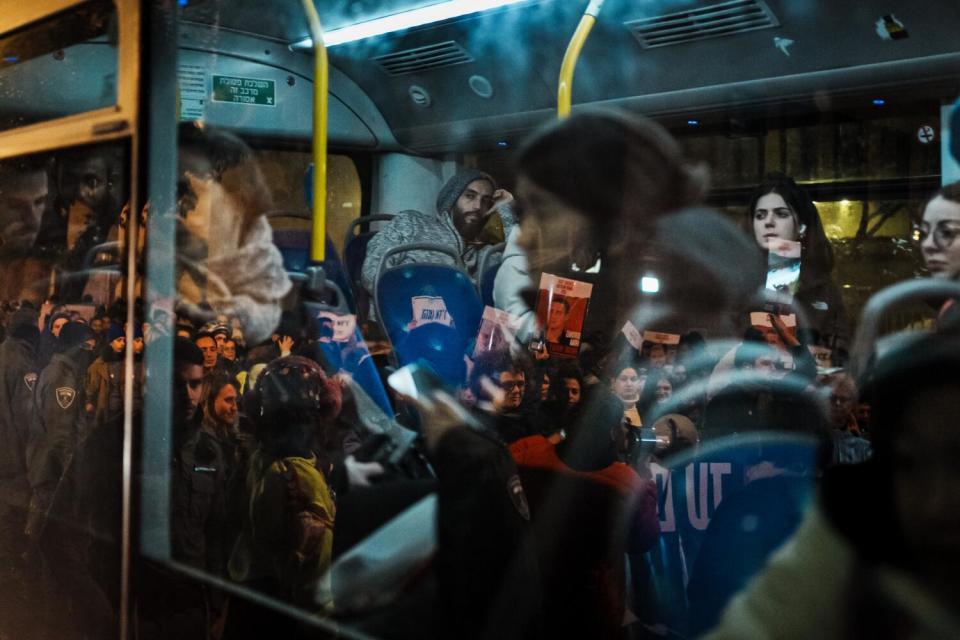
x: 561, y: 310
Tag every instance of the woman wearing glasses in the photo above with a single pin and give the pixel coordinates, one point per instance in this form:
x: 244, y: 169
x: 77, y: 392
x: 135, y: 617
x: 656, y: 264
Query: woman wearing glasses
x: 938, y: 232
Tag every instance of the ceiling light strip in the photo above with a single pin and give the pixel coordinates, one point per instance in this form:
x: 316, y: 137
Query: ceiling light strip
x: 406, y: 20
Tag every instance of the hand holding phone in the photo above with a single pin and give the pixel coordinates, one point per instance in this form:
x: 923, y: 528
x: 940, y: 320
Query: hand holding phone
x: 415, y: 381
x: 439, y: 411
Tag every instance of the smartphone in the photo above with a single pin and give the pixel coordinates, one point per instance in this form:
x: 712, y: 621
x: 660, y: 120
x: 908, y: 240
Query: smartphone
x: 416, y: 380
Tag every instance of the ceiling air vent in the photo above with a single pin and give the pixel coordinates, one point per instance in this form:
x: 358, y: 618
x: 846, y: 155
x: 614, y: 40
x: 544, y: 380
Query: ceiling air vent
x: 712, y: 21
x: 434, y: 56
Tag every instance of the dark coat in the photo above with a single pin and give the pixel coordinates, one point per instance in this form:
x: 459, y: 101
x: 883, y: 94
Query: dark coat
x: 18, y: 377
x: 201, y: 476
x: 488, y: 581
x: 58, y: 421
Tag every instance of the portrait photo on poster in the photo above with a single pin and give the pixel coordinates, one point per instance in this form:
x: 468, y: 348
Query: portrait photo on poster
x: 562, y: 306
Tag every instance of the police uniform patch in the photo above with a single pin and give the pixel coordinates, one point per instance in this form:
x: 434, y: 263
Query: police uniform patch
x: 518, y: 497
x: 66, y: 396
x: 30, y: 380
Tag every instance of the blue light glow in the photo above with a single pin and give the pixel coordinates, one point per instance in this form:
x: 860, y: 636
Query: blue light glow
x: 693, y: 123
x: 879, y: 102
x: 503, y: 144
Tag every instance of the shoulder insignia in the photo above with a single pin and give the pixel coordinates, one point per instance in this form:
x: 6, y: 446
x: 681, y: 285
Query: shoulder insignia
x: 30, y: 380
x: 66, y: 396
x: 518, y: 497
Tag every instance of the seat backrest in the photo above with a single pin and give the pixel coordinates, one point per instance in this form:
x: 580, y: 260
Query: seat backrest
x: 399, y: 286
x: 724, y: 508
x: 348, y: 352
x: 293, y: 242
x: 294, y: 246
x: 441, y: 295
x: 98, y: 251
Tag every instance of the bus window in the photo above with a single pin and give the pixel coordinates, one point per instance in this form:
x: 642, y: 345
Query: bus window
x: 578, y: 399
x: 64, y: 218
x: 867, y: 169
x: 60, y: 66
x: 285, y: 173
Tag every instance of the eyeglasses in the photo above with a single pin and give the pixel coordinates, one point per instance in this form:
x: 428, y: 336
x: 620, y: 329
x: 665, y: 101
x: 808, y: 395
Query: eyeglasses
x: 509, y: 385
x: 944, y: 233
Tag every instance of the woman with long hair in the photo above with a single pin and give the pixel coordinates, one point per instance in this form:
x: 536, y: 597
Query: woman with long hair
x: 781, y: 210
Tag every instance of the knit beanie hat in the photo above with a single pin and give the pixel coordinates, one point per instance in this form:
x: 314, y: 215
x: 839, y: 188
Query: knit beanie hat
x: 115, y: 331
x: 455, y: 186
x: 23, y: 316
x: 55, y: 317
x: 23, y: 324
x: 74, y: 334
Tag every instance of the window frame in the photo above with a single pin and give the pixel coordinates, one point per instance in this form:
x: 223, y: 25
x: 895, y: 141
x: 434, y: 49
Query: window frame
x: 107, y: 123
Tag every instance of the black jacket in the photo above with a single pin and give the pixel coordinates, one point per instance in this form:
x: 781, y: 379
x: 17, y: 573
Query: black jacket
x: 58, y: 421
x: 488, y: 580
x: 202, y: 472
x: 18, y: 377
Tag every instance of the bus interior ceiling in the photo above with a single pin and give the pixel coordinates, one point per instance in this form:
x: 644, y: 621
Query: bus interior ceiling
x: 482, y: 81
x: 486, y: 79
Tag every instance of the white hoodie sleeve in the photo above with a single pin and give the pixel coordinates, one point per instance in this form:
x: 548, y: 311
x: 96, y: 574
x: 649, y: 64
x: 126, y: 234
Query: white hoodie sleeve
x: 512, y: 278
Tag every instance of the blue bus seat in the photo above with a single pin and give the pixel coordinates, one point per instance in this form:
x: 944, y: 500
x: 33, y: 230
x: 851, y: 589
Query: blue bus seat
x: 294, y: 246
x: 439, y: 345
x: 395, y: 290
x: 721, y: 518
x: 351, y: 357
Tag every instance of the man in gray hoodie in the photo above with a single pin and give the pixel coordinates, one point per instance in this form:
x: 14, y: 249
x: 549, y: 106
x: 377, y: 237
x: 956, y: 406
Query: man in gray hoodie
x: 464, y: 207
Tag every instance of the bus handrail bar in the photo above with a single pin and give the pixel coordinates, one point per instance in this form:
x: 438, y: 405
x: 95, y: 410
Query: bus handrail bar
x: 572, y: 55
x: 321, y: 86
x: 103, y: 247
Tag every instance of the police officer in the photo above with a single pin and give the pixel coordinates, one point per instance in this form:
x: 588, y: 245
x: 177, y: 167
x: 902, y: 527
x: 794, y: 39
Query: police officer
x: 18, y: 376
x: 59, y: 420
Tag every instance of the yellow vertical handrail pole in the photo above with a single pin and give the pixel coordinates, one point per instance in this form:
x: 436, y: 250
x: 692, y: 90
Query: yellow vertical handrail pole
x: 321, y: 86
x: 565, y: 89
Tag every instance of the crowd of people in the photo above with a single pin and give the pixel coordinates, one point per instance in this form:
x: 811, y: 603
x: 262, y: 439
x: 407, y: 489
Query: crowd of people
x: 566, y: 484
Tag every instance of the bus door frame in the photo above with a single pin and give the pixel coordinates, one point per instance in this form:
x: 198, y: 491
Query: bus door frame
x: 121, y: 121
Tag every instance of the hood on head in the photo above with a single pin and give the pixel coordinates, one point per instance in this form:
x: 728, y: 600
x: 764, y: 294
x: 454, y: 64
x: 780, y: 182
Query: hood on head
x: 453, y: 189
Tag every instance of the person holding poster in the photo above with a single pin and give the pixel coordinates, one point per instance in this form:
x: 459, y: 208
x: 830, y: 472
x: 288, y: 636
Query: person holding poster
x: 497, y: 330
x: 561, y: 309
x: 597, y: 208
x: 787, y: 228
